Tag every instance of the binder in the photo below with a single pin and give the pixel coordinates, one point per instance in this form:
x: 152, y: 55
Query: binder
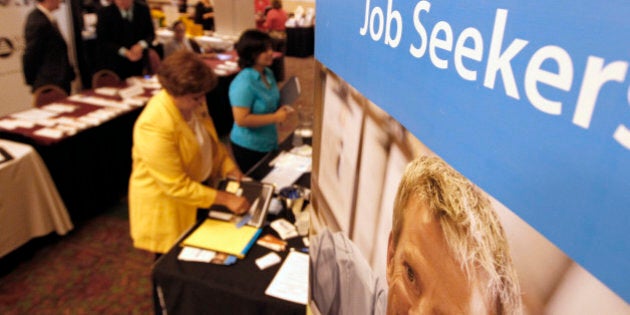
x: 290, y: 91
x: 222, y: 236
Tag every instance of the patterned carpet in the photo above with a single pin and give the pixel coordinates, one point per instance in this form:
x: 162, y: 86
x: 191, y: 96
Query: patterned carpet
x: 94, y: 269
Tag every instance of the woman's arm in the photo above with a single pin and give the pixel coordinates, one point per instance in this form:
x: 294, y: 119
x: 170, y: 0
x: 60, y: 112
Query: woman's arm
x: 244, y: 118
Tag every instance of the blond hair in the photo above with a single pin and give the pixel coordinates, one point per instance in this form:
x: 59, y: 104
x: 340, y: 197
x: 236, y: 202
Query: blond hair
x: 470, y: 227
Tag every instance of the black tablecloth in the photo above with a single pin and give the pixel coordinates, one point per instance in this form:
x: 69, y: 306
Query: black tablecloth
x: 300, y: 41
x: 203, y: 288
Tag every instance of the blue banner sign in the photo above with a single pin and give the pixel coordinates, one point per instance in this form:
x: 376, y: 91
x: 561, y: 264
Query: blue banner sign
x: 528, y: 99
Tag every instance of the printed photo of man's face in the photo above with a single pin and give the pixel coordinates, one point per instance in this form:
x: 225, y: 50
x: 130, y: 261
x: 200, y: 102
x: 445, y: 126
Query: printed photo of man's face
x: 422, y: 274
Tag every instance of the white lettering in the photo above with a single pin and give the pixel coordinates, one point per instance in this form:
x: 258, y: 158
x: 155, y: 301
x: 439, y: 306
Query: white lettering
x: 474, y: 53
x: 595, y: 76
x: 393, y: 15
x: 561, y: 80
x: 376, y: 35
x: 445, y: 44
x: 498, y: 61
x: 622, y: 134
x: 363, y: 30
x: 418, y: 52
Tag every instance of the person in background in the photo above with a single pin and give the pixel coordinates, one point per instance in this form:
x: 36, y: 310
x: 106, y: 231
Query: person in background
x: 175, y: 150
x: 125, y: 33
x: 204, y: 15
x: 260, y: 9
x: 255, y: 98
x: 275, y: 24
x: 45, y: 60
x: 447, y: 254
x: 180, y: 41
x: 182, y: 6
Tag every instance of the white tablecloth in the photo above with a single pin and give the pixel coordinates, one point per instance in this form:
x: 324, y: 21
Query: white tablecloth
x: 30, y: 205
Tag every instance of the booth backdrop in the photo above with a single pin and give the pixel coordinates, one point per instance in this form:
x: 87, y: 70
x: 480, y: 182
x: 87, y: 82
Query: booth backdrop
x: 530, y: 100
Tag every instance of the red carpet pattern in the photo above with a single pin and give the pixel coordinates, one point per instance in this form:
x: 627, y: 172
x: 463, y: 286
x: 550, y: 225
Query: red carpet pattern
x: 94, y: 270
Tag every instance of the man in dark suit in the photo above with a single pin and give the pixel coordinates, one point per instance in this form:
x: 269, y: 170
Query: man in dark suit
x: 45, y: 59
x: 125, y: 33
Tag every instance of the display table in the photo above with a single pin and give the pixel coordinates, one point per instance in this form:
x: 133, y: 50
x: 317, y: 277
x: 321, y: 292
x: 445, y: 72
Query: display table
x: 29, y: 203
x: 205, y: 288
x: 90, y: 168
x: 300, y: 41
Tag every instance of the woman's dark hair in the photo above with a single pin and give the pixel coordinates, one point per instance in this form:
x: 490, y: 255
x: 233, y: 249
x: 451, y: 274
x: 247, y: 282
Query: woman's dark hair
x: 184, y: 73
x: 174, y: 25
x: 276, y: 4
x: 251, y: 44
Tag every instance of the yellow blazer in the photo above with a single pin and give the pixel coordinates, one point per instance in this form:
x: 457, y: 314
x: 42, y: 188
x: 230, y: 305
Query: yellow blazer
x: 165, y: 187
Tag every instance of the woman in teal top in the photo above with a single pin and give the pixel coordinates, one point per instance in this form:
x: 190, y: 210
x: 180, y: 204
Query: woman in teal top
x: 255, y: 98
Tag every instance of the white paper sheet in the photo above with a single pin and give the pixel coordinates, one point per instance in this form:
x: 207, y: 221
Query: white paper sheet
x: 150, y: 83
x: 8, y: 124
x: 51, y: 122
x: 291, y: 281
x: 49, y: 133
x: 290, y: 160
x: 131, y: 91
x: 71, y: 122
x: 282, y: 177
x: 136, y: 101
x: 90, y: 120
x: 196, y: 254
x: 220, y: 72
x: 98, y: 101
x: 109, y: 91
x: 69, y: 130
x: 34, y: 114
x: 59, y: 108
x: 15, y: 123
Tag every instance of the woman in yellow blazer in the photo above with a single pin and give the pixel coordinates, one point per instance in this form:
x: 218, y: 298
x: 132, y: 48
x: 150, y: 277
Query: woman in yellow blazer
x: 175, y: 149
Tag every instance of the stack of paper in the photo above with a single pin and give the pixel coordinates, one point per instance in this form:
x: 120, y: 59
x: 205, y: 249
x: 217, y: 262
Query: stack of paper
x: 223, y: 237
x: 287, y: 168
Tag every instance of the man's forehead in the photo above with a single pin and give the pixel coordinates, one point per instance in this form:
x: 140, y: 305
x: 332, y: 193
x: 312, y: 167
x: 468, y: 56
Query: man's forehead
x: 418, y: 208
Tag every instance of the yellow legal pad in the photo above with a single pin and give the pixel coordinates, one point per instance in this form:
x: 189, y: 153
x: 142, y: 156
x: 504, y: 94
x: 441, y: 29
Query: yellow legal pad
x: 222, y: 236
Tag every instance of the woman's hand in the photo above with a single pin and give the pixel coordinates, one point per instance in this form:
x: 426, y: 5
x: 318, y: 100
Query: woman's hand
x: 238, y: 205
x: 234, y: 203
x: 282, y: 113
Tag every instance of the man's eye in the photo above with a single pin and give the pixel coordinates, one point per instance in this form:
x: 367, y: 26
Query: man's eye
x: 411, y: 276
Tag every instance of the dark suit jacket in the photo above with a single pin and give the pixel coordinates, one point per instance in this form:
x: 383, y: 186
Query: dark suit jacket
x: 114, y: 32
x: 45, y: 59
